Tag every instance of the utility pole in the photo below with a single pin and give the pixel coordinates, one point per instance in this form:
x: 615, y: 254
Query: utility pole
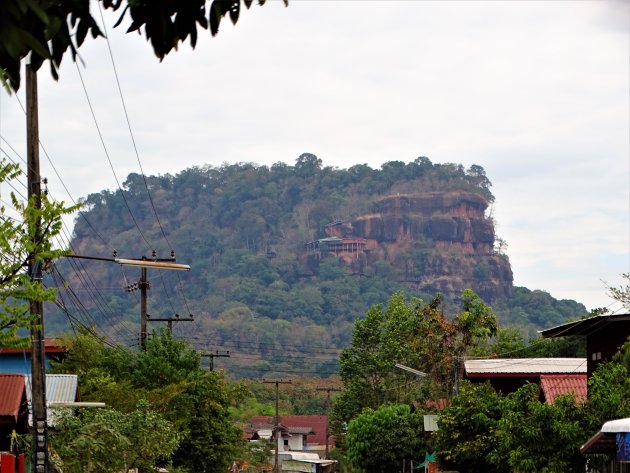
x: 144, y: 285
x: 214, y: 355
x: 38, y: 360
x: 276, y: 421
x: 328, y: 390
x: 169, y: 320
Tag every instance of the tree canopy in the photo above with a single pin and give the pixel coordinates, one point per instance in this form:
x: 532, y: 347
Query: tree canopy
x: 47, y: 30
x: 163, y: 392
x: 254, y: 284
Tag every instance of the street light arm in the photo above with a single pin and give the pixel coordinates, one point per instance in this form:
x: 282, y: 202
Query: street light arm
x: 140, y: 263
x: 411, y: 370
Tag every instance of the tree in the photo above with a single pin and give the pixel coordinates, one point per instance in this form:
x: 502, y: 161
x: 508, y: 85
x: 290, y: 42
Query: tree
x: 608, y: 394
x: 465, y: 436
x: 621, y: 293
x: 106, y: 440
x: 47, y: 29
x: 17, y: 248
x: 169, y: 379
x: 535, y: 436
x: 380, y: 439
x: 415, y: 334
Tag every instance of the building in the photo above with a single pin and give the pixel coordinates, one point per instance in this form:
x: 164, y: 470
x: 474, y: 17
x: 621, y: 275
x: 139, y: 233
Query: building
x: 613, y: 438
x: 605, y: 334
x: 13, y: 407
x: 555, y: 376
x: 18, y: 360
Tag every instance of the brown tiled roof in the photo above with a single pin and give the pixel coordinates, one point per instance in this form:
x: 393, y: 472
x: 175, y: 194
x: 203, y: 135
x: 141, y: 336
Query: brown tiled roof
x: 12, y: 391
x: 554, y: 385
x: 317, y: 423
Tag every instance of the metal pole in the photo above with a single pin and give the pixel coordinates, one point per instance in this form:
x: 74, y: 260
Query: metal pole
x: 38, y: 360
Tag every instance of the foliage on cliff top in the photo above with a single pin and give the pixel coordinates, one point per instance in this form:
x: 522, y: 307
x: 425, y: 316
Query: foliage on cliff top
x: 241, y: 227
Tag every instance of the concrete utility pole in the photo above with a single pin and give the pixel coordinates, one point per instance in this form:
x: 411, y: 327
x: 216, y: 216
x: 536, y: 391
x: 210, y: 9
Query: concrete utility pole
x: 144, y: 285
x: 276, y: 421
x: 328, y: 391
x: 169, y: 320
x: 38, y: 360
x: 214, y: 355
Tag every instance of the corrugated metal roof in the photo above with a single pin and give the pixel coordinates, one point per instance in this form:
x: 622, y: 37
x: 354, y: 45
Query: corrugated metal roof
x: 615, y: 426
x: 59, y: 387
x: 554, y: 385
x: 584, y: 326
x: 11, y: 393
x: 513, y: 366
x: 317, y: 423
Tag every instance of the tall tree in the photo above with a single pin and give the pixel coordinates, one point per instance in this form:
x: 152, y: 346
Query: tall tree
x: 412, y: 333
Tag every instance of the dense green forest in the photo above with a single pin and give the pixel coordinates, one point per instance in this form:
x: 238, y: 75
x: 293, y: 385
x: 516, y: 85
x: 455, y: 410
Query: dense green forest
x: 243, y: 229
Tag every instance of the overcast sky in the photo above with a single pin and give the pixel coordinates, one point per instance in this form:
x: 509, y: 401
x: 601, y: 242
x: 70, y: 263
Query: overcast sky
x: 538, y: 93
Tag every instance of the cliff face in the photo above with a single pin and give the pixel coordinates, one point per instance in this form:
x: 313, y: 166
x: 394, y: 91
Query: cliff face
x: 437, y: 241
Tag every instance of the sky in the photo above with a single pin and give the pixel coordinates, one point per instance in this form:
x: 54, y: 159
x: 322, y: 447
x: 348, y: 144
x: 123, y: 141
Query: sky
x: 536, y: 92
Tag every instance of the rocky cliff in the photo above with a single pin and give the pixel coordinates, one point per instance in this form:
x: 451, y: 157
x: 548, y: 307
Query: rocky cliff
x: 436, y: 241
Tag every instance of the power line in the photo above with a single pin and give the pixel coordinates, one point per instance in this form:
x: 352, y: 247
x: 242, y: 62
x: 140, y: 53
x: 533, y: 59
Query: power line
x: 133, y: 141
x: 109, y: 159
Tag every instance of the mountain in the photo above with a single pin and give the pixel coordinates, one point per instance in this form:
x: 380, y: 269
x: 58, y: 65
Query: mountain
x: 285, y: 258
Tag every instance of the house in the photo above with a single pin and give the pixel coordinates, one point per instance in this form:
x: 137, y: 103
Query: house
x: 555, y: 376
x: 605, y: 334
x: 18, y: 360
x: 13, y: 408
x: 299, y: 433
x: 613, y: 438
x: 289, y: 438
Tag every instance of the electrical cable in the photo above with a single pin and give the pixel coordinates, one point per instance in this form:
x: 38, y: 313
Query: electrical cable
x: 149, y: 245
x: 135, y: 147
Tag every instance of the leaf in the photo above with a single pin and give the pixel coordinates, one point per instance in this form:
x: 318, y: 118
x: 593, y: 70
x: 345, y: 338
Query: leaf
x: 216, y: 12
x: 234, y: 10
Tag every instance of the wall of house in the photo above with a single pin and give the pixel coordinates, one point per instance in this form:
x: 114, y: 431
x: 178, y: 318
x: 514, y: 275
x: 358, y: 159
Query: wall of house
x: 296, y: 442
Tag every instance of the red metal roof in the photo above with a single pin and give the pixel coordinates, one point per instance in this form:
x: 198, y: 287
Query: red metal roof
x: 558, y: 384
x: 317, y: 423
x: 12, y: 391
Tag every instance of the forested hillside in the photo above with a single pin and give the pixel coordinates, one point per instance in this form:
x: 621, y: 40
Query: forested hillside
x: 285, y: 258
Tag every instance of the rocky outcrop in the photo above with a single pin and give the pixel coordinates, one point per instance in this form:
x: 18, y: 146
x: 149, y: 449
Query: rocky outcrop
x: 437, y: 241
